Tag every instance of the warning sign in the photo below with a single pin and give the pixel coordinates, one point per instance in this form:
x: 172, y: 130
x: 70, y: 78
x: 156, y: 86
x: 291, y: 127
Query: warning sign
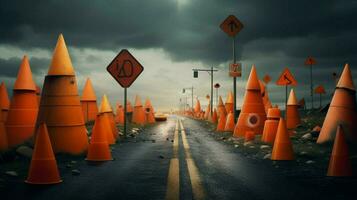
x: 310, y: 61
x: 286, y: 78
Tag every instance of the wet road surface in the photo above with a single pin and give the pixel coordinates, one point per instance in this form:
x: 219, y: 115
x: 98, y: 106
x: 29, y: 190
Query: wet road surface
x: 176, y: 159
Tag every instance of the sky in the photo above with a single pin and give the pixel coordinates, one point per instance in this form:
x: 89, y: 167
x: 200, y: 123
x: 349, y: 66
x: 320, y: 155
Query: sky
x: 170, y: 37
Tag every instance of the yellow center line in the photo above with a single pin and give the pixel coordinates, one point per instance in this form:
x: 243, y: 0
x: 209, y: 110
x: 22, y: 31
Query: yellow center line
x: 196, y: 183
x: 173, y: 179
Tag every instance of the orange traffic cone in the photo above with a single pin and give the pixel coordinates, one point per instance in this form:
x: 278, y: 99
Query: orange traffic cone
x: 98, y: 149
x: 265, y: 96
x: 197, y: 109
x: 149, y: 112
x: 21, y: 118
x: 340, y: 164
x: 138, y: 113
x: 60, y: 106
x: 214, y: 116
x: 43, y: 168
x: 4, y: 101
x: 221, y: 122
x: 106, y: 113
x: 252, y: 116
x: 119, y: 117
x: 271, y: 125
x: 208, y: 111
x: 292, y: 112
x: 38, y: 94
x: 229, y: 102
x: 283, y: 149
x: 89, y: 102
x: 249, y: 136
x: 3, y: 137
x: 342, y: 110
x: 229, y: 122
x: 221, y: 108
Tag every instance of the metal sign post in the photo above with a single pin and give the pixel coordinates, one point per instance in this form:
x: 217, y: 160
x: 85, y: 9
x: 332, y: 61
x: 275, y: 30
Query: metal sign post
x: 232, y: 26
x: 124, y: 68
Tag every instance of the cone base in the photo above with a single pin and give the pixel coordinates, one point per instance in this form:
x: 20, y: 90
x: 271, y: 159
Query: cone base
x: 43, y: 172
x: 99, y: 152
x: 282, y: 151
x: 39, y: 183
x: 340, y: 166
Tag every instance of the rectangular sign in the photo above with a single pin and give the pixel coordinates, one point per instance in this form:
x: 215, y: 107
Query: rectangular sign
x: 235, y: 70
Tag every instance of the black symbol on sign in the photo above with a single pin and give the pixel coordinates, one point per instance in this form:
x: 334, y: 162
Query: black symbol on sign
x: 126, y: 69
x: 287, y: 79
x: 233, y: 25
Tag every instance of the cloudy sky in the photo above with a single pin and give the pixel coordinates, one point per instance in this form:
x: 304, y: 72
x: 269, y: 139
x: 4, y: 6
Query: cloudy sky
x: 170, y: 37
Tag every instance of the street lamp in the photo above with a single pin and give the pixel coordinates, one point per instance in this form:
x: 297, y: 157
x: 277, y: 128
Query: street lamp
x: 210, y: 72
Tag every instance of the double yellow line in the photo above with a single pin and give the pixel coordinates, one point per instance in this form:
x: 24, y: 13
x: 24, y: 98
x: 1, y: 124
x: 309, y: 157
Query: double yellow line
x: 173, y: 180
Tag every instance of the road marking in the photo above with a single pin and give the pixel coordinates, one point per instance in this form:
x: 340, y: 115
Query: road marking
x: 196, y: 183
x: 173, y: 179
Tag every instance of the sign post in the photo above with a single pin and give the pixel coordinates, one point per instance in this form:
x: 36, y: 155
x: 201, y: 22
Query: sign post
x: 309, y: 62
x: 232, y: 26
x: 124, y: 68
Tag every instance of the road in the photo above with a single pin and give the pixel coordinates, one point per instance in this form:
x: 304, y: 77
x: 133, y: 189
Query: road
x: 176, y: 159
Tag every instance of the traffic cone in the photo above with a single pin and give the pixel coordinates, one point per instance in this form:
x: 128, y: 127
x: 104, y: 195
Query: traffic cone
x: 60, y: 106
x: 214, y: 116
x: 4, y: 101
x: 138, y: 113
x: 89, y: 102
x: 106, y: 113
x: 271, y: 125
x: 208, y: 111
x: 21, y: 118
x: 342, y: 110
x: 249, y: 136
x: 197, y: 109
x: 265, y: 96
x: 98, y: 149
x: 229, y: 103
x: 221, y: 122
x: 292, y: 112
x: 221, y: 109
x: 229, y: 122
x: 340, y: 164
x: 43, y: 168
x: 282, y: 149
x: 38, y: 94
x: 3, y: 137
x: 149, y: 112
x: 252, y: 116
x: 119, y: 117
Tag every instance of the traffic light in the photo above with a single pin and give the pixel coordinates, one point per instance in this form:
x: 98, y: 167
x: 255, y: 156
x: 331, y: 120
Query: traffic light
x: 195, y: 74
x: 183, y: 90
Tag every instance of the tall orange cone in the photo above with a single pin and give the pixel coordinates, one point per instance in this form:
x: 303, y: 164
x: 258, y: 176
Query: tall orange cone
x: 271, y: 125
x: 43, y: 168
x: 197, y: 109
x: 98, y: 149
x: 208, y: 111
x: 283, y: 149
x: 292, y: 112
x: 342, y: 110
x: 221, y: 122
x: 229, y: 122
x: 4, y: 100
x: 89, y: 102
x: 149, y: 112
x: 265, y: 96
x: 340, y: 164
x: 119, y: 117
x: 106, y: 112
x: 214, y: 116
x: 38, y: 94
x: 21, y: 118
x: 229, y: 102
x: 60, y: 106
x: 252, y: 116
x: 138, y: 113
x: 3, y: 137
x: 221, y: 109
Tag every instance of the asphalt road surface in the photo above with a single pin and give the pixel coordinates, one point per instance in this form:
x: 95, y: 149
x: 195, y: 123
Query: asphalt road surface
x: 176, y: 159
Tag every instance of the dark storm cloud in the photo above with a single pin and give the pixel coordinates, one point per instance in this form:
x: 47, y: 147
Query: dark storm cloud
x: 190, y: 31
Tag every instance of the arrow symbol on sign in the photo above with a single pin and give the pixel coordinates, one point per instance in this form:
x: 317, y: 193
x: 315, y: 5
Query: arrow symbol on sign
x: 287, y: 79
x: 233, y: 25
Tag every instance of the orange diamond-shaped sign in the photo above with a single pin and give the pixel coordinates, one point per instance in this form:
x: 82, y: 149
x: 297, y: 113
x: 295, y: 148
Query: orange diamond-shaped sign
x: 286, y: 78
x: 125, y: 68
x: 231, y: 25
x: 310, y: 61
